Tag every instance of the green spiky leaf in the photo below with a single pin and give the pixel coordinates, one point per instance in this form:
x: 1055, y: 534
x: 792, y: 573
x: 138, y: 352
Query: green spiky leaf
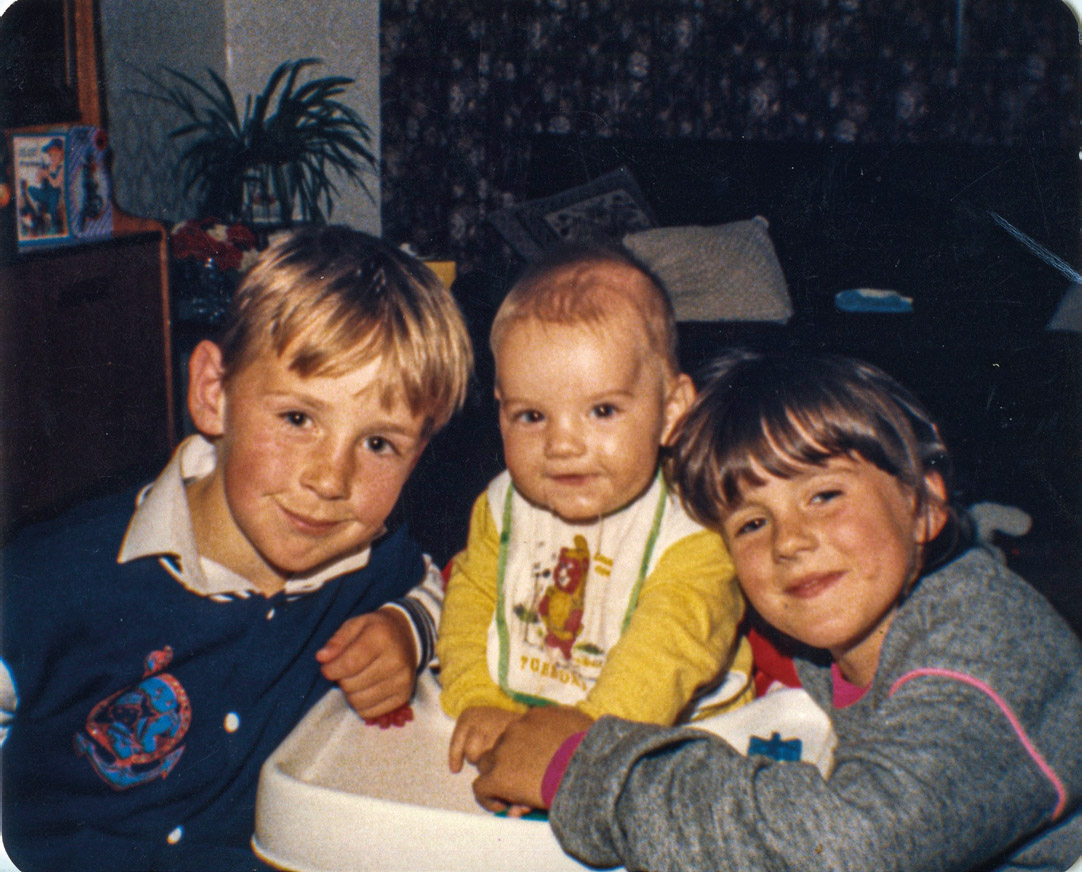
x: 285, y: 156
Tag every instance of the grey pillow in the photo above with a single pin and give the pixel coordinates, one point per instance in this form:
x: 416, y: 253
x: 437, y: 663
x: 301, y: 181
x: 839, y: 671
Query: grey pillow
x: 728, y: 272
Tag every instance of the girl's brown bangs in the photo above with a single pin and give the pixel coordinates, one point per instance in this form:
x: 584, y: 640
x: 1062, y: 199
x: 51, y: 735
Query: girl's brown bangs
x: 785, y: 441
x: 772, y: 448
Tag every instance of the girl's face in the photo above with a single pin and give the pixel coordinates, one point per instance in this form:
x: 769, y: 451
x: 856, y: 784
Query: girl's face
x: 825, y: 555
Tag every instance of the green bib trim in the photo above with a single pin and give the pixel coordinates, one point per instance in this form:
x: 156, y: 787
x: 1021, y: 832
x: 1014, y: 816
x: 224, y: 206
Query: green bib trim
x: 502, y: 630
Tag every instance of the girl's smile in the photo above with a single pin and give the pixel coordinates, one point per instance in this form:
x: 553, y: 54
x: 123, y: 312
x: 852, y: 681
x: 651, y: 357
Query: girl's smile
x: 812, y: 585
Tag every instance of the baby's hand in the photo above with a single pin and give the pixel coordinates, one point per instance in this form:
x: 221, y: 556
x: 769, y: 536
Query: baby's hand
x: 476, y: 731
x: 373, y: 659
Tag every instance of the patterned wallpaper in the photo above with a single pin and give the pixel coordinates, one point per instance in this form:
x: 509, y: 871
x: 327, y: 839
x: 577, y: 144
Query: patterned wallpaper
x: 466, y: 82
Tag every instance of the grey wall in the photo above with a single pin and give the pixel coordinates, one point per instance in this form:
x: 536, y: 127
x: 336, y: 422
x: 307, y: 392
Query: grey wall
x: 243, y: 41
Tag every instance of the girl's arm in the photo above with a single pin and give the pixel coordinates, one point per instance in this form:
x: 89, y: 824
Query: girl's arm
x: 914, y: 786
x: 682, y: 632
x: 468, y: 607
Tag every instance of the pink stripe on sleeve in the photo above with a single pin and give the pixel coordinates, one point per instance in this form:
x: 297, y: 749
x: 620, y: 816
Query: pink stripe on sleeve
x: 554, y: 774
x: 986, y: 689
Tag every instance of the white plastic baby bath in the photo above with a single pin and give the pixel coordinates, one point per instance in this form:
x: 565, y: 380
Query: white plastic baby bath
x: 340, y: 796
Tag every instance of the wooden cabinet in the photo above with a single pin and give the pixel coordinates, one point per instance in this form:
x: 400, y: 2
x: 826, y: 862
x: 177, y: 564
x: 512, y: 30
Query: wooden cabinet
x: 86, y: 400
x: 86, y: 390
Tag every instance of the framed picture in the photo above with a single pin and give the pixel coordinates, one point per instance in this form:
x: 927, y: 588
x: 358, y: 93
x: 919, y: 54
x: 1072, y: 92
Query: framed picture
x: 89, y: 194
x: 39, y: 166
x: 63, y: 192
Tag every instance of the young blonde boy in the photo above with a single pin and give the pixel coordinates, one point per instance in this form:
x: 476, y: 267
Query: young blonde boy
x: 157, y: 661
x: 583, y: 581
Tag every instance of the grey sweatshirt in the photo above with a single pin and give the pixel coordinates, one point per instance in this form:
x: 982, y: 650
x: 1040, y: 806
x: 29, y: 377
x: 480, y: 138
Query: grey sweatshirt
x: 965, y: 753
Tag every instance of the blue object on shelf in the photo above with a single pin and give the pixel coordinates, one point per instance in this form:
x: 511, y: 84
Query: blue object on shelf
x: 872, y: 300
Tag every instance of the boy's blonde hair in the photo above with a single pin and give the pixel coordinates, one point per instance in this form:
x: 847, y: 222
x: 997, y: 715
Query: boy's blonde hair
x: 567, y: 286
x: 783, y: 413
x: 334, y: 299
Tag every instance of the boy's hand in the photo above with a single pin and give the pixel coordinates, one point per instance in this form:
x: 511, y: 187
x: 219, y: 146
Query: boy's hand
x: 476, y: 731
x: 373, y: 658
x: 512, y: 772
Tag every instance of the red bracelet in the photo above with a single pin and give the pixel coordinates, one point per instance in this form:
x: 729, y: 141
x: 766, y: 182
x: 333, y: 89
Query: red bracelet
x: 554, y: 774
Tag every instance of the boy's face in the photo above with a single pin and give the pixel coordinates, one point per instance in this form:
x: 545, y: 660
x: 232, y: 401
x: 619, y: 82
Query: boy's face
x: 825, y: 555
x: 583, y: 412
x: 308, y: 468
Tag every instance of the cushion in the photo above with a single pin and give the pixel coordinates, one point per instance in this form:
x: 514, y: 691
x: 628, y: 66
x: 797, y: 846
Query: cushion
x: 609, y: 206
x: 728, y: 272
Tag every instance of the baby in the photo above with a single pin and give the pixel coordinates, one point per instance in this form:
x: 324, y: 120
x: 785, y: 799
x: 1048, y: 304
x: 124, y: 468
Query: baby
x: 583, y: 581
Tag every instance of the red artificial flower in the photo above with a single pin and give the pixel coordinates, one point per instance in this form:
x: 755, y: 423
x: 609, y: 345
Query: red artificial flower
x: 191, y: 242
x: 227, y: 257
x: 241, y: 236
x: 397, y: 718
x: 207, y: 239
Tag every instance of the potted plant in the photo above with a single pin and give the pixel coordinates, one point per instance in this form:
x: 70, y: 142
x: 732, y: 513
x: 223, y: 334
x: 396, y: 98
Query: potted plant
x: 272, y: 164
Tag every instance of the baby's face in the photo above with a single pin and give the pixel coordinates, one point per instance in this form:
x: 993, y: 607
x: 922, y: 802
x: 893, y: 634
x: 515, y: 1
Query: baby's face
x: 583, y: 412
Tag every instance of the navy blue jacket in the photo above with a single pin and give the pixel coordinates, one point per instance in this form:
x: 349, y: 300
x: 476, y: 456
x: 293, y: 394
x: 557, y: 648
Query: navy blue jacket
x: 144, y: 710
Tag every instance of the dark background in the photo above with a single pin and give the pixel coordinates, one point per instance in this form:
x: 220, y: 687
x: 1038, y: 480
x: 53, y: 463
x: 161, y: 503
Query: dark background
x: 876, y: 137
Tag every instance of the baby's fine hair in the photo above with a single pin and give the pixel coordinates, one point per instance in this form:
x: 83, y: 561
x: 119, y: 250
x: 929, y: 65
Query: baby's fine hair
x: 782, y: 413
x: 559, y: 288
x: 333, y: 299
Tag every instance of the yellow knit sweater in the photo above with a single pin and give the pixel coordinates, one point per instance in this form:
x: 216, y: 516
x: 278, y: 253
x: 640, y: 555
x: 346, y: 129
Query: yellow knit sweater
x: 681, y: 638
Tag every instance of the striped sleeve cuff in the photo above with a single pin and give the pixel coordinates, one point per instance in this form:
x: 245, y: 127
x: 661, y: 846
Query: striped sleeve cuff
x: 424, y: 628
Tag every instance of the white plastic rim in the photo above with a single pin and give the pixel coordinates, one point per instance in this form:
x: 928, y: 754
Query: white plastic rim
x: 339, y: 796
